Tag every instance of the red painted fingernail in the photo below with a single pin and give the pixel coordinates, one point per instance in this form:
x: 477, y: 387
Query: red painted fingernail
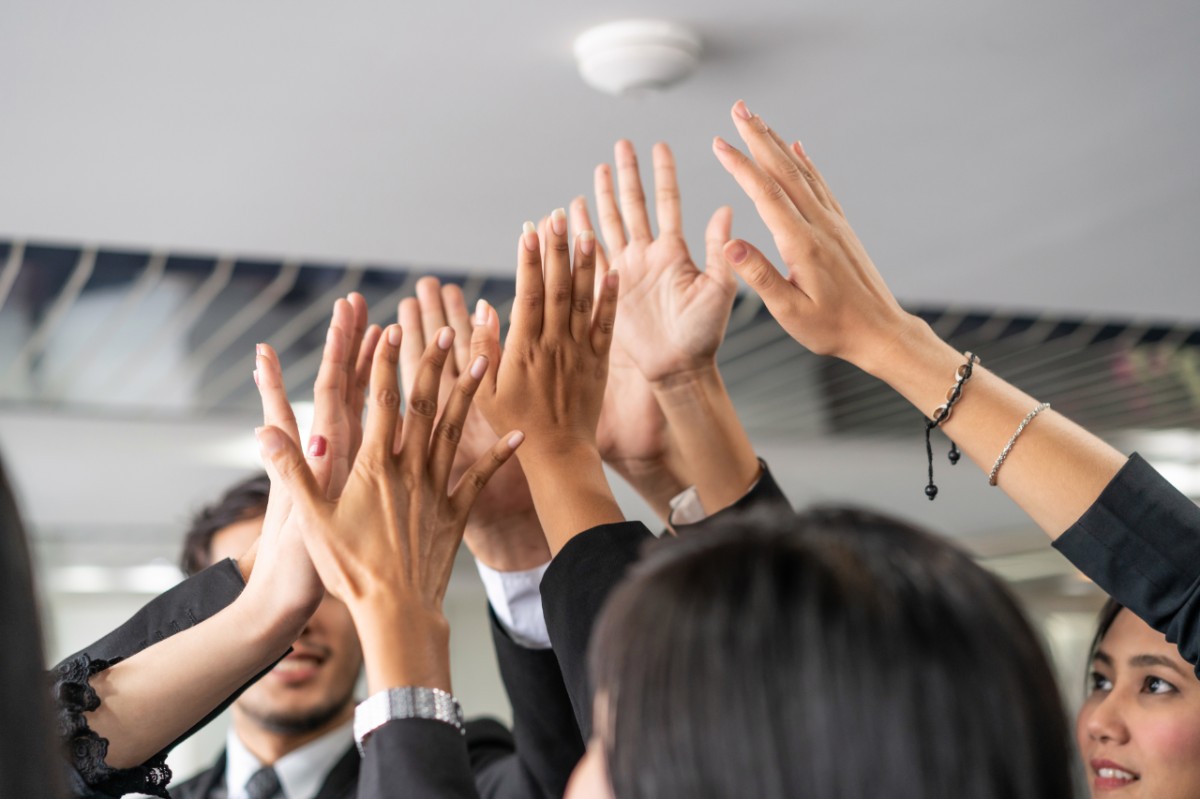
x: 737, y: 252
x: 316, y: 446
x: 741, y: 110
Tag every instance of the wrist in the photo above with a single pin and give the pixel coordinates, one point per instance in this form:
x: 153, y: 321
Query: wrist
x: 508, y: 543
x: 404, y: 642
x: 702, y: 373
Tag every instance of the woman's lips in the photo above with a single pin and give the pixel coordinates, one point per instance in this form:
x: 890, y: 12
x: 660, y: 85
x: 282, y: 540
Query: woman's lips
x: 1110, y: 776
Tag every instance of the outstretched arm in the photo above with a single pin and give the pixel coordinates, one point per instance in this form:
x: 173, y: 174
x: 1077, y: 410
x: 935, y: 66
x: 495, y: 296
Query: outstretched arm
x: 833, y: 300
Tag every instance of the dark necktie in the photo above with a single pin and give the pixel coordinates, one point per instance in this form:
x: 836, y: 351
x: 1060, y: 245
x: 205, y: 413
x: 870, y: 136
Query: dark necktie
x: 264, y: 784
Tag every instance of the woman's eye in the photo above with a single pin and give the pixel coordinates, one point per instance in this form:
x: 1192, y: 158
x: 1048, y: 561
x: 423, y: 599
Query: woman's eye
x: 1100, y: 682
x: 1157, y: 685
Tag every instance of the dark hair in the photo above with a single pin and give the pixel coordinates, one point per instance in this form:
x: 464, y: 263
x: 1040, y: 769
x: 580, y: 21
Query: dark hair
x: 1108, y: 614
x: 840, y: 653
x: 30, y: 763
x: 244, y: 500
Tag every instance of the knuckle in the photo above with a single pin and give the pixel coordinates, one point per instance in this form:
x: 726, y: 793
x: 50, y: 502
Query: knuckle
x: 423, y: 407
x: 607, y: 324
x: 561, y: 294
x: 582, y: 305
x: 449, y: 431
x: 770, y: 190
x: 388, y: 398
x: 476, y: 479
x: 560, y: 246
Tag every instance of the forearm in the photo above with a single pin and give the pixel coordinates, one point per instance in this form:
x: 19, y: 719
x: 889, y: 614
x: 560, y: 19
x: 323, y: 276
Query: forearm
x: 710, y: 437
x: 1055, y: 471
x: 657, y: 481
x: 570, y: 491
x: 507, y: 543
x: 404, y: 643
x: 152, y: 698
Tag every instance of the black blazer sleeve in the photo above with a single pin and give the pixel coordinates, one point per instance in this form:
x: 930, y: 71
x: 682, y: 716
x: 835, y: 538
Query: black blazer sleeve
x: 547, y: 739
x: 416, y: 757
x: 574, y: 588
x: 764, y: 497
x: 187, y: 604
x: 1140, y: 542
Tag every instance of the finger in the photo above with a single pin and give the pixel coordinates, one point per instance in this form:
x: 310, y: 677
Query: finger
x: 541, y: 232
x: 467, y: 489
x: 716, y: 235
x: 666, y: 192
x: 358, y: 331
x: 581, y: 221
x: 789, y: 228
x: 527, y: 306
x: 557, y: 270
x: 449, y: 428
x: 362, y: 383
x: 329, y: 446
x: 776, y: 161
x: 605, y: 316
x: 282, y: 457
x: 413, y: 344
x: 824, y: 191
x: 633, y: 198
x: 612, y: 227
x: 458, y: 318
x: 421, y: 408
x: 485, y: 342
x: 383, y: 410
x: 268, y: 376
x: 433, y: 316
x: 583, y: 287
x: 777, y: 292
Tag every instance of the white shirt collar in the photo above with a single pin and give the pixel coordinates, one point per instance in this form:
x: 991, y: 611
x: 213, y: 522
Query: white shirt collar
x: 301, y: 772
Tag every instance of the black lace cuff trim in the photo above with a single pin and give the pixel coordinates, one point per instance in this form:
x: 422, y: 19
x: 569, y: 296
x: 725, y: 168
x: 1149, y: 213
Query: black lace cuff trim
x: 86, y: 751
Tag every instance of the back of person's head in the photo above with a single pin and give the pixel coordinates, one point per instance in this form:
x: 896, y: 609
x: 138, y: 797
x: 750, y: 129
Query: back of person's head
x: 838, y: 653
x: 30, y: 764
x: 244, y: 500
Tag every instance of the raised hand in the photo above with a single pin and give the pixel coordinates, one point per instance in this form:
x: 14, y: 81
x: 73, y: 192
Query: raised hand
x: 549, y: 381
x: 502, y: 530
x: 832, y: 299
x: 386, y: 546
x: 673, y: 315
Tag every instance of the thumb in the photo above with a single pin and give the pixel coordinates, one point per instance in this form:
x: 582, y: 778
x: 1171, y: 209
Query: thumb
x: 716, y: 235
x: 760, y: 274
x: 287, y: 467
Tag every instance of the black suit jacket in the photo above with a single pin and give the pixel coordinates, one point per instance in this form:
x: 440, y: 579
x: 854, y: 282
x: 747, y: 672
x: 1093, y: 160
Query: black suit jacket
x: 1140, y: 542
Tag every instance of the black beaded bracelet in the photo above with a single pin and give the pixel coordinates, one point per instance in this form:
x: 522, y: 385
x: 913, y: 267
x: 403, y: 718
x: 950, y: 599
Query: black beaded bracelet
x: 941, y: 414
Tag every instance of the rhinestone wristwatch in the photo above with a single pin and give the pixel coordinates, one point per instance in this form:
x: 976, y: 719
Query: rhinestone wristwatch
x: 405, y: 703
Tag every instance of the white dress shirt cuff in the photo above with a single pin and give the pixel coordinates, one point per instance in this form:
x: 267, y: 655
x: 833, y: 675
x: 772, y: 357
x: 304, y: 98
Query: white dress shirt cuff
x: 516, y: 599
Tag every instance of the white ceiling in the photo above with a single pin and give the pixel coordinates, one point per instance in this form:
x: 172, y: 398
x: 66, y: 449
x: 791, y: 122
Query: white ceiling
x: 997, y: 155
x: 1016, y: 156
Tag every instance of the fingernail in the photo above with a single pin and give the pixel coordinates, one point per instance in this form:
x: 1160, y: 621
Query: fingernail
x: 737, y: 252
x: 587, y: 242
x: 481, y: 313
x: 558, y: 221
x: 316, y: 447
x: 741, y: 110
x: 612, y: 278
x: 268, y: 440
x: 445, y: 338
x: 515, y: 439
x: 395, y: 334
x: 799, y: 148
x: 256, y: 377
x: 479, y: 367
x: 529, y: 236
x: 721, y: 144
x: 260, y: 349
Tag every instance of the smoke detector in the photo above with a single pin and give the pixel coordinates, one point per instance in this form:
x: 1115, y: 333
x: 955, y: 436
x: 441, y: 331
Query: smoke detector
x: 635, y: 56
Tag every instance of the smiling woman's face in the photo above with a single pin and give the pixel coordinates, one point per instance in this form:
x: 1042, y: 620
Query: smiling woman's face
x: 1139, y: 729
